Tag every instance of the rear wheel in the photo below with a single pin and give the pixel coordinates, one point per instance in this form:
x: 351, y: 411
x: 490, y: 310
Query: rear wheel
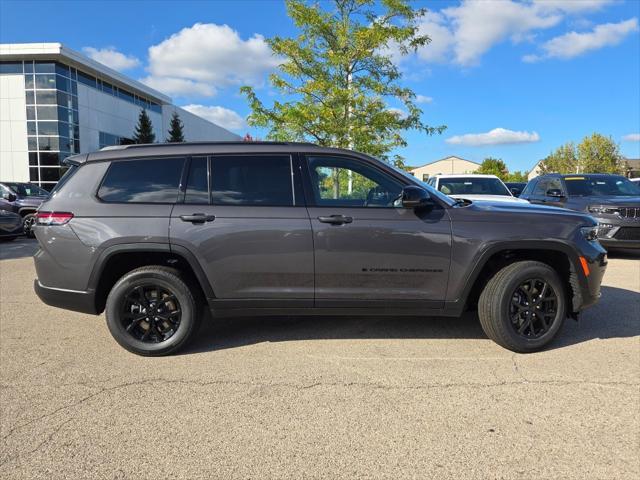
x: 152, y: 311
x: 523, y: 306
x: 27, y: 223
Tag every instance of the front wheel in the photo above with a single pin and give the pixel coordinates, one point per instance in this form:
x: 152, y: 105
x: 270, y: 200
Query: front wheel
x: 151, y: 311
x: 523, y: 306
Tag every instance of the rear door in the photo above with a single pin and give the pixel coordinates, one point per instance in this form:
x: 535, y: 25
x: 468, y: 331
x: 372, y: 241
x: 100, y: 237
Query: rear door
x: 368, y: 250
x: 244, y: 218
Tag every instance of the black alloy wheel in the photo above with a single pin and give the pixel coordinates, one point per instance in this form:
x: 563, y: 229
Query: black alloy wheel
x: 533, y: 308
x: 151, y: 313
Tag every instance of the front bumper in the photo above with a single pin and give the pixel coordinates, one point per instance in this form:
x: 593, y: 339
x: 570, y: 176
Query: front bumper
x: 75, y: 300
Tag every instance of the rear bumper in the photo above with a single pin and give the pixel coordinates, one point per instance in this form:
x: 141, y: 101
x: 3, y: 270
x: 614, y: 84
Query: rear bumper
x: 75, y: 300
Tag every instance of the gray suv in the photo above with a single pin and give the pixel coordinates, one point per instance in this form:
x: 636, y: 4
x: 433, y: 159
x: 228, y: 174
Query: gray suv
x: 151, y: 234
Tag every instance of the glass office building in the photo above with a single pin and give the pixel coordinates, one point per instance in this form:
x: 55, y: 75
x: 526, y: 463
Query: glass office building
x: 55, y: 102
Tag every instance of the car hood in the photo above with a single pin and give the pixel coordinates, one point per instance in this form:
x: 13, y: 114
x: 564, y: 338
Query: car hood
x: 519, y: 211
x: 610, y: 200
x: 490, y: 198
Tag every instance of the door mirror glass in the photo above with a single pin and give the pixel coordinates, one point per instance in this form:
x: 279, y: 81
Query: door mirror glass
x: 414, y: 197
x: 555, y: 192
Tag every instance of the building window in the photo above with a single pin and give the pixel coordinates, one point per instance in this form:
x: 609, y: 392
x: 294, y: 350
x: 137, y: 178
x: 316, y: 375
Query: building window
x: 107, y: 139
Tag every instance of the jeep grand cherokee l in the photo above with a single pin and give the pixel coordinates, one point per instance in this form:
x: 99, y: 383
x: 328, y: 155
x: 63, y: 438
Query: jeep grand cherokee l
x: 150, y: 234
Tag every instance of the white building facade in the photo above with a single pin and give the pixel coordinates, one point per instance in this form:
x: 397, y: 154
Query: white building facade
x: 55, y: 102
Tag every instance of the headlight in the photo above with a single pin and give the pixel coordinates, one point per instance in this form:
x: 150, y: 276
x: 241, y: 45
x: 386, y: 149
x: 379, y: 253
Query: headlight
x: 603, y: 209
x: 590, y: 233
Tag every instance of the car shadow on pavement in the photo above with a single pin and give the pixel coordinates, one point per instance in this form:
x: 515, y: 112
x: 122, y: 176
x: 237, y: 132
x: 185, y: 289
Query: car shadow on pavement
x: 619, y: 318
x: 21, y: 247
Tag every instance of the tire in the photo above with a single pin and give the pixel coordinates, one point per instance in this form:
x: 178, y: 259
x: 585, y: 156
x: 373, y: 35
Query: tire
x: 27, y: 223
x: 126, y: 306
x: 505, y: 308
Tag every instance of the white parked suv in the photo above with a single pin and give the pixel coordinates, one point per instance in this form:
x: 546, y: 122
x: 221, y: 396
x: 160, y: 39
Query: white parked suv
x: 473, y: 187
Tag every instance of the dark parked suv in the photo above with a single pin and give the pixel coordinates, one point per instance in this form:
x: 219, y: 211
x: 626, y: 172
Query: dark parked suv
x: 152, y: 233
x: 612, y: 200
x: 23, y: 199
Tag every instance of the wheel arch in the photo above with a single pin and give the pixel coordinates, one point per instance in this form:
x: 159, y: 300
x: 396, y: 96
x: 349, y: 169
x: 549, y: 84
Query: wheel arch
x: 117, y: 260
x: 558, y: 255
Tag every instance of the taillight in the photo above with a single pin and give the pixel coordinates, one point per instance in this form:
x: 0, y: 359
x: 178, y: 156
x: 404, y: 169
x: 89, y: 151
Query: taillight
x: 53, y: 218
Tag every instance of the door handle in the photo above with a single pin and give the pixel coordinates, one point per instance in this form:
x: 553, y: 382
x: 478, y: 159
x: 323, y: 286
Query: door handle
x: 336, y: 219
x: 197, y: 218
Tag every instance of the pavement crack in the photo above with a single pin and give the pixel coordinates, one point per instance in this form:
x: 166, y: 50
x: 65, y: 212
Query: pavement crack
x: 40, y: 445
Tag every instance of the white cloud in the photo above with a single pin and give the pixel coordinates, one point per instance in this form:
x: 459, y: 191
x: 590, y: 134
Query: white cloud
x: 112, y: 58
x: 573, y: 44
x: 212, y: 55
x: 497, y: 136
x: 462, y: 34
x: 179, y: 86
x: 400, y: 113
x: 632, y: 137
x: 423, y: 99
x: 219, y: 115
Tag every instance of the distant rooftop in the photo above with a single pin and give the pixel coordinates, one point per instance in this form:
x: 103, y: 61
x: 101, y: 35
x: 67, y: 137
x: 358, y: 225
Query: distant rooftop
x: 58, y: 52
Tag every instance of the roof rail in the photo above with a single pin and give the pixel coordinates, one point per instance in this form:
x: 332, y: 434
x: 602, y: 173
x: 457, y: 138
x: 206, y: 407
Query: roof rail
x: 230, y: 142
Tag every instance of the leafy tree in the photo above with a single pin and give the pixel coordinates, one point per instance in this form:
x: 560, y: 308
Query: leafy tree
x: 144, y: 129
x: 599, y: 154
x: 516, y: 176
x: 493, y: 166
x: 339, y: 80
x: 176, y: 129
x: 595, y: 154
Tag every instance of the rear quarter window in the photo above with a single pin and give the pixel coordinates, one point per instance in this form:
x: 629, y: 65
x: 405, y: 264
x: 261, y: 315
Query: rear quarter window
x: 142, y: 181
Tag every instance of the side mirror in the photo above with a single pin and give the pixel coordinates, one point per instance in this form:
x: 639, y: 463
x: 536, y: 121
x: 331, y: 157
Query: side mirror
x: 515, y: 191
x: 10, y: 197
x: 414, y: 197
x: 555, y: 192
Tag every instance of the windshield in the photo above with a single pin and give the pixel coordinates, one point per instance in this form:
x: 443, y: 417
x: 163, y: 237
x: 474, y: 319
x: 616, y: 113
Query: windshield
x: 428, y: 188
x: 596, y: 186
x: 27, y: 190
x: 472, y: 186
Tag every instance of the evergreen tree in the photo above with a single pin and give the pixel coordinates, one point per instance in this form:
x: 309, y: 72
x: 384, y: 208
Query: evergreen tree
x: 144, y: 129
x: 176, y: 130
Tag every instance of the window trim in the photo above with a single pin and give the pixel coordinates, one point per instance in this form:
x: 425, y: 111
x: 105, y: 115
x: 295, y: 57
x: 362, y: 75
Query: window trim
x: 309, y: 191
x: 132, y: 159
x: 184, y: 181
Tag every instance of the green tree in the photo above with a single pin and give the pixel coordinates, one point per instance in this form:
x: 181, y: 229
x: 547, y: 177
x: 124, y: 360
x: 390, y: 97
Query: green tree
x: 493, y: 166
x: 516, y: 176
x: 599, y: 154
x: 596, y: 153
x: 144, y: 129
x: 563, y: 160
x: 176, y: 129
x: 339, y: 80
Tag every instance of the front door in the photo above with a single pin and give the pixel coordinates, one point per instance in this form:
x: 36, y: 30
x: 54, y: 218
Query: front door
x: 369, y: 250
x: 243, y: 217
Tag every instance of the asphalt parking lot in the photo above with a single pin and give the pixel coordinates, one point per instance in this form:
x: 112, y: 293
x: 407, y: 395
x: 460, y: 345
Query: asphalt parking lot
x: 318, y: 397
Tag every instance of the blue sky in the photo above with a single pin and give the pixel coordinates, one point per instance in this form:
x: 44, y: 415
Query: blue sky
x: 547, y: 71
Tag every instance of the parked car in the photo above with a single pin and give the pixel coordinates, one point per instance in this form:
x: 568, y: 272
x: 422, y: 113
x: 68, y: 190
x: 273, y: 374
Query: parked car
x: 635, y: 180
x: 473, y: 187
x: 23, y: 199
x: 612, y: 200
x: 10, y: 226
x: 516, y: 188
x: 153, y: 233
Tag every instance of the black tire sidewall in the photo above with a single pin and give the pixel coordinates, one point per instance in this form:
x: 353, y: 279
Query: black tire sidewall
x: 29, y: 217
x: 530, y: 272
x: 170, y: 282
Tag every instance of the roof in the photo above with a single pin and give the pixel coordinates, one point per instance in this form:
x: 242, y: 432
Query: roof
x: 202, y: 148
x: 565, y: 175
x: 58, y: 52
x: 445, y: 158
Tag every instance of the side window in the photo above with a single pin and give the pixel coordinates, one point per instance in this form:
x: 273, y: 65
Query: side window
x: 252, y: 180
x: 346, y: 182
x: 541, y: 188
x: 197, y: 191
x: 528, y: 188
x: 554, y: 184
x: 142, y: 181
